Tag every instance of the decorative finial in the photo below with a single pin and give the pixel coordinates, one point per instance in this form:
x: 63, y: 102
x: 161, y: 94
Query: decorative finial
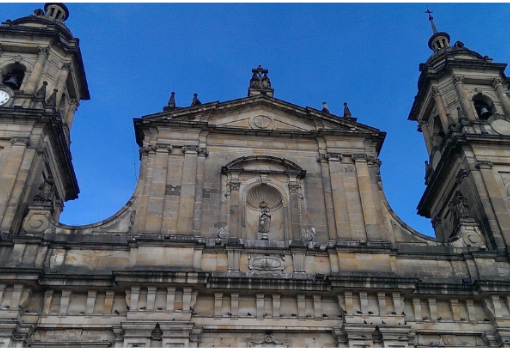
x: 195, y: 100
x: 260, y: 82
x: 325, y: 108
x: 171, y: 102
x: 431, y: 19
x: 41, y: 93
x: 347, y: 112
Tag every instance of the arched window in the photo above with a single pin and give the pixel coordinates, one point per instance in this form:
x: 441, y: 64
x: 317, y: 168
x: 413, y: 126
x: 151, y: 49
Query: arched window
x: 484, y: 106
x: 13, y: 75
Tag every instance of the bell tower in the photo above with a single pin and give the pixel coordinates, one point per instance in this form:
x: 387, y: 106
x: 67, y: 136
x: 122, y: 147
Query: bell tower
x: 463, y: 110
x: 42, y: 80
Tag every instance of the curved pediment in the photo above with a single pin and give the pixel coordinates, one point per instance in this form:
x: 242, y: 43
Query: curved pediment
x: 264, y: 164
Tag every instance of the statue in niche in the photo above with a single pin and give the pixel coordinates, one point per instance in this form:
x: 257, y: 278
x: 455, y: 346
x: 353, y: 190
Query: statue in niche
x: 264, y: 221
x: 459, y: 205
x: 45, y: 193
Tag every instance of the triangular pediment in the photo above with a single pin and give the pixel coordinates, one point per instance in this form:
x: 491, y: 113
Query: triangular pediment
x: 261, y: 113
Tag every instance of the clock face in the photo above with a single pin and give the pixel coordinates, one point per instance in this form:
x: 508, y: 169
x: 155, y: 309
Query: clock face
x: 4, y: 97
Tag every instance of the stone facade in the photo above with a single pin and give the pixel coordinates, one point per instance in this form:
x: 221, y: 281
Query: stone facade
x: 255, y: 222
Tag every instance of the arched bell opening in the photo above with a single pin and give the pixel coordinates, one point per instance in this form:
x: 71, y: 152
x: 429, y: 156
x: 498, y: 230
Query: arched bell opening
x: 13, y: 75
x: 484, y: 106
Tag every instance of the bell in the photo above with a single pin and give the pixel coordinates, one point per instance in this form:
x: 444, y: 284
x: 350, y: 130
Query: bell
x: 12, y: 81
x: 484, y: 112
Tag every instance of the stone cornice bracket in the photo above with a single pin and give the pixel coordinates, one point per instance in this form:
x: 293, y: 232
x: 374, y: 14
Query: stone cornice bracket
x: 359, y: 157
x: 484, y: 165
x: 20, y: 141
x: 43, y: 50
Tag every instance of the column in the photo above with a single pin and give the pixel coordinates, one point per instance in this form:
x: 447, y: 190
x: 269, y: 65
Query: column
x: 91, y: 302
x: 417, y: 309
x: 64, y: 302
x: 218, y: 304
x: 503, y: 97
x: 348, y: 302
x: 135, y: 294
x: 34, y: 77
x: 276, y: 305
x: 151, y: 297
x: 363, y: 301
x: 381, y: 301
x: 260, y: 305
x: 295, y: 219
x: 61, y: 81
x: 188, y: 188
x: 301, y: 305
x: 461, y: 93
x: 471, y: 310
x: 16, y: 295
x: 317, y: 307
x: 454, y: 304
x: 108, y: 302
x: 73, y: 106
x: 328, y: 196
x: 234, y: 207
x: 234, y: 305
x: 2, y: 290
x: 424, y: 128
x: 48, y: 296
x: 170, y: 298
x: 436, y: 94
x: 367, y: 199
x: 186, y: 298
x: 199, y: 190
x: 432, y: 309
x: 340, y: 202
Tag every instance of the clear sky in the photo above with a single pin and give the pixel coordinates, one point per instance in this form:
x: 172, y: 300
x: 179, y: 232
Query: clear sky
x: 363, y: 54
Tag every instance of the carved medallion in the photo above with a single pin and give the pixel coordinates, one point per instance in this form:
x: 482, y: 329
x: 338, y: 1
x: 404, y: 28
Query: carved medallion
x: 263, y: 122
x: 265, y: 263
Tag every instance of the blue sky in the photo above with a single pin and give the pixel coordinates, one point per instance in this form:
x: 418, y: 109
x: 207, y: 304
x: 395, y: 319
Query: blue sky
x: 363, y: 54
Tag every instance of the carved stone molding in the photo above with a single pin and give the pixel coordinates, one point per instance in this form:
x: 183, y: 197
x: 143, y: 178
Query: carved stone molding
x: 497, y: 82
x: 43, y: 51
x: 186, y: 148
x: 323, y: 158
x: 461, y: 175
x: 234, y: 185
x: 294, y: 187
x: 20, y: 141
x: 374, y: 161
x: 458, y: 79
x: 202, y: 151
x: 359, y: 157
x: 336, y: 156
x: 484, y: 165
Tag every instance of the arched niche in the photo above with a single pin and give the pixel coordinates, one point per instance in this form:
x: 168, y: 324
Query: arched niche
x: 264, y: 190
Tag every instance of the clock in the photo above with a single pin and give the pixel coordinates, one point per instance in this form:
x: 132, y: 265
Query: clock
x: 4, y: 97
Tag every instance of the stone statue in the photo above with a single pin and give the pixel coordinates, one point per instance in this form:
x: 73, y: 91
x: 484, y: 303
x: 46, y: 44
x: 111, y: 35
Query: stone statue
x: 264, y: 221
x: 459, y: 205
x: 45, y: 193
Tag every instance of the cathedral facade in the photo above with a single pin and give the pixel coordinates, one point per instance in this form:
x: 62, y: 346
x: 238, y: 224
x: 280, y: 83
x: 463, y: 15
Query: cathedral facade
x: 255, y: 222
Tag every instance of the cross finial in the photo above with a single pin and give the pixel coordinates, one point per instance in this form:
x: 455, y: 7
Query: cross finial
x: 431, y: 19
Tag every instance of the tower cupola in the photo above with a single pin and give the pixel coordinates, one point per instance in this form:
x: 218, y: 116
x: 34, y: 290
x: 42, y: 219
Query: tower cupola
x: 56, y: 11
x: 438, y: 40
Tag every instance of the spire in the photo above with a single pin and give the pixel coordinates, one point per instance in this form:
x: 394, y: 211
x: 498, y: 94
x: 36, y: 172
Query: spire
x: 439, y: 40
x: 431, y: 19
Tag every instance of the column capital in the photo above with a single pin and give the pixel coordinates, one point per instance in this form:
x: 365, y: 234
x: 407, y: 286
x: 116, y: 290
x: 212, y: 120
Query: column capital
x: 20, y: 141
x: 43, y: 50
x: 458, y: 79
x: 359, y: 157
